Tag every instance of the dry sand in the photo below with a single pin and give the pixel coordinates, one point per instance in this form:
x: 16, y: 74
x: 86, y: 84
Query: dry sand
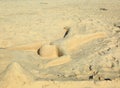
x: 59, y: 44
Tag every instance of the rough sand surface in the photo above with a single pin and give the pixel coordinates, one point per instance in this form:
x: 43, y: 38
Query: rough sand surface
x: 60, y: 44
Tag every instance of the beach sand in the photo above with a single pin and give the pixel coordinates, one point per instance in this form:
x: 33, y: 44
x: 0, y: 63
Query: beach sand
x: 59, y: 44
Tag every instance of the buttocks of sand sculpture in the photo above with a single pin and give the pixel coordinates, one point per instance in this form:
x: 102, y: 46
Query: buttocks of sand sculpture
x: 48, y: 51
x: 52, y: 52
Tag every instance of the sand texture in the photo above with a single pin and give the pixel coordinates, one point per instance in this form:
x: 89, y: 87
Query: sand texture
x: 59, y: 43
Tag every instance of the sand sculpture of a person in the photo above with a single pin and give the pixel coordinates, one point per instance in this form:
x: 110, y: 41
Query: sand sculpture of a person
x: 58, y: 52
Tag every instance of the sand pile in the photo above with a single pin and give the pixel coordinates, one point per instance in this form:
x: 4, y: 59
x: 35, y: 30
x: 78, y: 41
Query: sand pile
x: 15, y: 76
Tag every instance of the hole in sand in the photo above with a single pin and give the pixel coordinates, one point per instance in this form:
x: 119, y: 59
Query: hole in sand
x: 38, y: 51
x: 103, y: 9
x: 67, y: 31
x: 91, y: 77
x: 107, y: 79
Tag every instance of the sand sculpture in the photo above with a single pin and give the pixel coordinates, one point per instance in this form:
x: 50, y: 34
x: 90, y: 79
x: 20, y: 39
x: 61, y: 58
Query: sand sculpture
x: 56, y: 60
x: 59, y: 51
x: 59, y: 43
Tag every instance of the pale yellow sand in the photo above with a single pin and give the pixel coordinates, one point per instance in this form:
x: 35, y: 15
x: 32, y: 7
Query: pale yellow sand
x: 89, y: 52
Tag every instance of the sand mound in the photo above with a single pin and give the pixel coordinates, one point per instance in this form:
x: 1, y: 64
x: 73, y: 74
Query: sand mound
x: 27, y: 47
x: 15, y: 76
x: 59, y: 61
x: 74, y: 42
x: 48, y: 51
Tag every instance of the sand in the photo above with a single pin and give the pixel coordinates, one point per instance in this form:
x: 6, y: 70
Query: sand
x: 59, y: 44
